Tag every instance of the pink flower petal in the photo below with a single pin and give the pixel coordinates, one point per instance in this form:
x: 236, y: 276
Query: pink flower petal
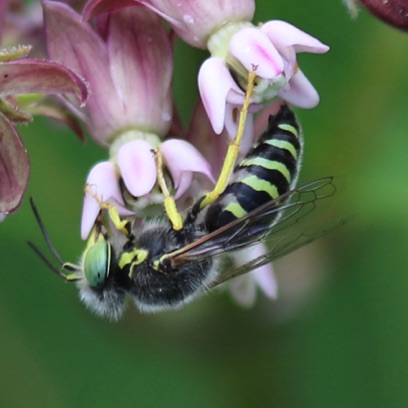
x: 266, y: 280
x: 215, y: 82
x: 262, y: 119
x: 200, y: 134
x: 74, y: 43
x: 45, y: 77
x: 182, y: 157
x: 255, y: 51
x: 283, y: 35
x: 141, y: 64
x: 195, y: 21
x: 103, y: 183
x: 94, y: 7
x: 14, y: 167
x: 231, y: 126
x: 137, y: 166
x: 264, y: 277
x: 236, y: 97
x: 300, y: 92
x: 243, y: 290
x: 183, y: 183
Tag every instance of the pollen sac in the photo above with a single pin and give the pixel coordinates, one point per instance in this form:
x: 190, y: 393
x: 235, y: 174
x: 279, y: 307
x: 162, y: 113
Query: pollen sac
x: 393, y: 12
x: 96, y: 263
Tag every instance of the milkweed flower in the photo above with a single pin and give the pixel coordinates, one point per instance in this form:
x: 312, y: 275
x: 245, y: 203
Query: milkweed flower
x: 127, y: 60
x: 135, y: 164
x: 23, y: 82
x: 237, y: 47
x: 270, y: 50
x: 129, y: 81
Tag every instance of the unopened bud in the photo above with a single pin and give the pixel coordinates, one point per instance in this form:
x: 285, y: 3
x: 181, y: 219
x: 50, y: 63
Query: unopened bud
x: 393, y: 12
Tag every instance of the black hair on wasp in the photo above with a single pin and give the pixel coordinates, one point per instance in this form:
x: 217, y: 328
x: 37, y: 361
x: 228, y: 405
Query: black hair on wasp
x: 159, y: 268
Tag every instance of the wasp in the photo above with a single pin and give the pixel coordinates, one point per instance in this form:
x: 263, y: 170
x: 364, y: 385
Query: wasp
x: 162, y: 267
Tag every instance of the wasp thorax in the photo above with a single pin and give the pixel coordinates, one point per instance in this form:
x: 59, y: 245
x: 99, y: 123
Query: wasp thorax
x: 156, y: 284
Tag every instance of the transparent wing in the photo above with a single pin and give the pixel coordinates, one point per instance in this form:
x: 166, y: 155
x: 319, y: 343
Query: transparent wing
x: 278, y: 244
x: 286, y: 212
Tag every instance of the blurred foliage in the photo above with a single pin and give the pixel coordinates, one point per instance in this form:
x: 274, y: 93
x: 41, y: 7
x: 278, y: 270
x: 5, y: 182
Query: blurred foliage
x: 337, y: 337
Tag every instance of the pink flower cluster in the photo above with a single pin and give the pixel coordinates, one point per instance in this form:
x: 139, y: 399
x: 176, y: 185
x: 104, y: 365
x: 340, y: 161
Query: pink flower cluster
x: 118, y: 57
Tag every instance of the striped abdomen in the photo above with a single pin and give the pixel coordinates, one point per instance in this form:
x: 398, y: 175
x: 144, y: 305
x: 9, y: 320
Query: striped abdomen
x: 269, y: 170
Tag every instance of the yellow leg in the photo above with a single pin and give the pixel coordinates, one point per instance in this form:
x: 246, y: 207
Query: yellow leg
x: 233, y: 148
x: 120, y: 225
x: 169, y: 202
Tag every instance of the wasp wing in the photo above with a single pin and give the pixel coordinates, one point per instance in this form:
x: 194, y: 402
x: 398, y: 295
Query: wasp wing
x: 277, y: 246
x: 256, y: 226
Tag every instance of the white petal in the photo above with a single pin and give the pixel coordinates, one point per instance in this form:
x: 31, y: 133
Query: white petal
x: 243, y: 290
x: 137, y: 166
x: 300, y: 92
x: 183, y: 184
x: 102, y: 182
x: 231, y: 125
x: 215, y: 82
x: 182, y: 157
x: 266, y: 280
x: 283, y: 35
x: 255, y: 51
x: 264, y: 275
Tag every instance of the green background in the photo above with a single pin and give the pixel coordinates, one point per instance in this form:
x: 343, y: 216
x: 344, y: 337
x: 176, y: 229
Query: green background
x: 338, y: 335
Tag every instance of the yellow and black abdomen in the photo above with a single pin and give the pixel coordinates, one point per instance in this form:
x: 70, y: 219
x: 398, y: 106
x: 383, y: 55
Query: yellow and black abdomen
x: 269, y: 170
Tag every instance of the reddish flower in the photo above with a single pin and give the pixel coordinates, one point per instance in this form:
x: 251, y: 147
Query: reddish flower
x: 20, y: 76
x: 392, y: 12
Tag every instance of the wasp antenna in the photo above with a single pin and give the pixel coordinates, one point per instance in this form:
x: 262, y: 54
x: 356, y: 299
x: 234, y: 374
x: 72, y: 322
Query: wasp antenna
x: 45, y: 259
x: 46, y: 237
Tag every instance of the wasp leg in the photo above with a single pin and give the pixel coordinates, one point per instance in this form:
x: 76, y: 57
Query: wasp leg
x: 122, y: 226
x: 70, y: 272
x: 233, y: 148
x: 169, y: 202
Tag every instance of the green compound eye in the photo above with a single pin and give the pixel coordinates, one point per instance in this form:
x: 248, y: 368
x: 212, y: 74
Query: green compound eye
x: 97, y: 263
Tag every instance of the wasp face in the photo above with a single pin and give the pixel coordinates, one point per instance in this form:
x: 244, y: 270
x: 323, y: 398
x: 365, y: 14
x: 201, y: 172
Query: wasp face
x: 100, y: 285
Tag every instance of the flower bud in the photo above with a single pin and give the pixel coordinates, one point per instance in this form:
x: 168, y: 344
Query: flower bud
x: 392, y: 12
